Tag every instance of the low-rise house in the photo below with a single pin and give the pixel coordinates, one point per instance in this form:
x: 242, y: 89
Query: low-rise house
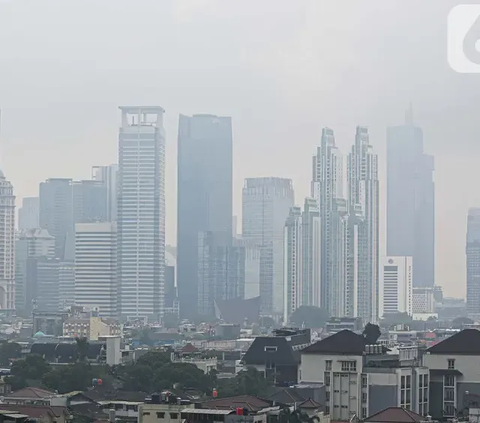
x: 395, y: 415
x: 163, y: 408
x: 362, y: 379
x: 35, y: 396
x: 40, y: 413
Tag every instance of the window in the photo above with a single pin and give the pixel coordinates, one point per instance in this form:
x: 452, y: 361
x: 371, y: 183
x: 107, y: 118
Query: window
x: 146, y: 413
x: 327, y: 379
x: 449, y: 380
x: 449, y: 394
x: 160, y: 414
x: 451, y: 364
x: 271, y: 349
x: 449, y: 410
x: 364, y: 397
x: 364, y: 381
x: 349, y: 366
x: 328, y: 365
x: 174, y: 415
x: 364, y: 412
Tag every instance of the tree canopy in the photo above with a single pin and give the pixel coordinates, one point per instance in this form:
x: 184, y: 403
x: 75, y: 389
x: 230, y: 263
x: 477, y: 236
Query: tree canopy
x: 395, y: 319
x: 310, y: 316
x: 371, y: 333
x: 9, y: 351
x: 459, y: 322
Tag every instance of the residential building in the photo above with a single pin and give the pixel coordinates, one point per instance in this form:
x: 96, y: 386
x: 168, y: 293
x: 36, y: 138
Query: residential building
x: 327, y: 184
x: 396, y: 415
x: 92, y: 327
x: 266, y: 203
x: 89, y: 201
x: 43, y: 413
x: 454, y: 374
x: 473, y: 262
x: 363, y: 379
x: 29, y: 243
x: 141, y: 213
x: 396, y: 276
x: 56, y: 213
x: 204, y: 202
x: 221, y: 272
x: 276, y: 356
x: 109, y: 176
x: 96, y: 267
x: 411, y: 200
x: 163, y: 408
x: 28, y: 214
x: 7, y: 245
x: 29, y: 396
x: 311, y: 257
x: 363, y: 197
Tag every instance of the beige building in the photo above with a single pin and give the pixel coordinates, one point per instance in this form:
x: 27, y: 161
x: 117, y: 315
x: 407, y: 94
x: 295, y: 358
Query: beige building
x: 91, y: 328
x: 161, y: 413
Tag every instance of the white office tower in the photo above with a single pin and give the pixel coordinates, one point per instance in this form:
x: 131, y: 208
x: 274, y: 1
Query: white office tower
x: 266, y: 204
x: 109, y: 176
x: 29, y: 244
x: 327, y: 187
x: 7, y: 245
x: 363, y: 202
x: 311, y: 244
x: 396, y: 275
x: 96, y: 267
x: 293, y: 261
x: 29, y: 213
x: 141, y: 213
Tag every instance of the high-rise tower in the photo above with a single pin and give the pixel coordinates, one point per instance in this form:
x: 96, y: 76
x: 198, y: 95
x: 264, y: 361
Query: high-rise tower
x: 363, y: 202
x: 473, y: 263
x: 204, y: 197
x: 141, y: 213
x: 7, y: 245
x: 411, y: 201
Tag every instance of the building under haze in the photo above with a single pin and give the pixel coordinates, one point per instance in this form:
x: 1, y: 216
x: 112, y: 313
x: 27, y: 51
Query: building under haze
x: 7, y: 245
x: 28, y: 214
x: 204, y: 197
x: 89, y: 201
x: 96, y: 267
x: 396, y: 276
x: 411, y: 200
x: 327, y: 187
x: 141, y: 213
x: 266, y: 204
x: 109, y: 176
x: 56, y: 213
x: 363, y: 201
x: 473, y: 263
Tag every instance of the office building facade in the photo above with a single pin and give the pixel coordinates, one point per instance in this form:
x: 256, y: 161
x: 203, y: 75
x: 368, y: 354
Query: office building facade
x: 28, y: 214
x: 266, y: 204
x: 108, y: 175
x: 396, y: 279
x: 141, y: 213
x: 204, y: 202
x: 473, y: 262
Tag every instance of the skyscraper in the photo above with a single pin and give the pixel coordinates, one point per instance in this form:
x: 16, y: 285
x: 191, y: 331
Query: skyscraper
x: 396, y: 286
x: 7, y: 245
x: 204, y: 196
x: 109, y: 176
x: 327, y: 184
x: 363, y: 202
x: 266, y: 204
x: 141, y: 213
x: 56, y: 213
x: 473, y: 263
x: 28, y: 214
x: 96, y: 267
x: 89, y: 201
x: 411, y: 200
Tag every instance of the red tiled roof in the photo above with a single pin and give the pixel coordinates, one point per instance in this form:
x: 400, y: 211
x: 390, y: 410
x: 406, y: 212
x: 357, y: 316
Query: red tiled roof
x: 189, y: 348
x: 34, y: 393
x: 395, y: 415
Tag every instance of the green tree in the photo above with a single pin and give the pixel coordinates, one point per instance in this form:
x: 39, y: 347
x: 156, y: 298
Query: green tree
x: 247, y: 382
x: 75, y: 377
x: 395, y: 319
x: 8, y: 351
x: 82, y: 347
x: 33, y: 367
x: 371, y: 333
x: 310, y: 316
x: 459, y: 322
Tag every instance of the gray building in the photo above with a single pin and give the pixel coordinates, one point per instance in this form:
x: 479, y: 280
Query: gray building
x: 30, y: 243
x: 454, y: 374
x: 109, y: 176
x: 56, y: 212
x: 46, y: 282
x: 204, y: 202
x: 141, y: 213
x: 411, y: 200
x: 28, y: 214
x: 266, y: 204
x: 473, y: 263
x: 221, y: 272
x: 89, y: 201
x: 363, y: 379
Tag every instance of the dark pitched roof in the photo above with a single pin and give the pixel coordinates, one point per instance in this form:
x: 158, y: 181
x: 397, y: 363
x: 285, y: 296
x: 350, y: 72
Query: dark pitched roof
x: 241, y: 401
x: 466, y: 342
x: 395, y: 415
x: 257, y: 353
x: 36, y: 411
x: 310, y: 404
x: 343, y: 342
x: 189, y: 348
x: 287, y: 396
x: 97, y: 395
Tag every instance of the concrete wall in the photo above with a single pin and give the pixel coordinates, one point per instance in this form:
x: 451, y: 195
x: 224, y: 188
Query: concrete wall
x: 312, y: 366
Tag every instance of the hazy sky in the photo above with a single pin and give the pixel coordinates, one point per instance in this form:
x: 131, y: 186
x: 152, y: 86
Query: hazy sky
x: 282, y: 69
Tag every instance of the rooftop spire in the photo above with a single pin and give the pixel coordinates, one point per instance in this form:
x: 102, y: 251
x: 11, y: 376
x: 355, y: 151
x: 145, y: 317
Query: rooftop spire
x: 409, y: 115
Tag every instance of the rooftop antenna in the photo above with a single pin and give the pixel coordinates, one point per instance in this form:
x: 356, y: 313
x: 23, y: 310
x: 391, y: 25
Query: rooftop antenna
x: 409, y: 115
